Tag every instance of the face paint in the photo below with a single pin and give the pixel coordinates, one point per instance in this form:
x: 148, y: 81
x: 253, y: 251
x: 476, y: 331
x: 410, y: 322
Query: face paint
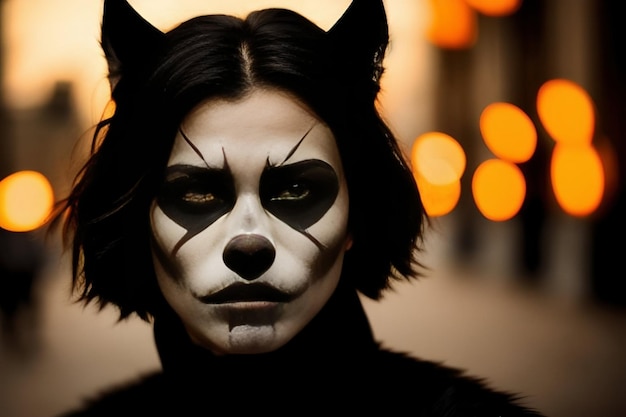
x: 299, y: 194
x: 250, y: 226
x: 195, y: 197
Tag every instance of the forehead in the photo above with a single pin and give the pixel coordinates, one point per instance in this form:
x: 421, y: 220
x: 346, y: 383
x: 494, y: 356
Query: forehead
x: 264, y: 125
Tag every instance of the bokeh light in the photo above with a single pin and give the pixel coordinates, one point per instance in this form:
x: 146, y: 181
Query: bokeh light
x: 499, y: 189
x: 577, y: 176
x: 109, y: 110
x: 438, y: 162
x: 26, y: 201
x: 508, y: 132
x: 438, y: 200
x: 453, y: 24
x: 438, y: 157
x: 566, y: 111
x: 495, y: 8
x: 577, y: 171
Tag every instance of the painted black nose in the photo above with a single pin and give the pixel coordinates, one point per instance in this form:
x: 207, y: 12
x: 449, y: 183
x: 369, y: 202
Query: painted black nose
x: 249, y: 255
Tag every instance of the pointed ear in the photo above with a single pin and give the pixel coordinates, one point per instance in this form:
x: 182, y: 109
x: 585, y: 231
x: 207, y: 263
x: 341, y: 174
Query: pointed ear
x: 129, y: 41
x: 360, y: 37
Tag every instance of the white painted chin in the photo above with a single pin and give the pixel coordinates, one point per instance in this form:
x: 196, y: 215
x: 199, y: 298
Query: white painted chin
x: 250, y: 339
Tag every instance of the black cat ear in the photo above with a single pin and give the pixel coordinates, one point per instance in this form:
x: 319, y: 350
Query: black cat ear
x: 128, y: 40
x: 360, y: 37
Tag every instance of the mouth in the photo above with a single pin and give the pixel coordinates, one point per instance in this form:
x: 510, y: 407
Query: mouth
x: 247, y: 293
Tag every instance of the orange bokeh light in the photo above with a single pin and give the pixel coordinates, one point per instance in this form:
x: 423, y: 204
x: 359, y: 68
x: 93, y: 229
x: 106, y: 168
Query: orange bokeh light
x: 566, y: 112
x: 438, y: 200
x: 577, y: 176
x: 508, y: 132
x: 453, y: 24
x: 438, y: 158
x: 438, y: 162
x: 26, y: 201
x: 499, y: 189
x: 109, y: 109
x: 495, y: 8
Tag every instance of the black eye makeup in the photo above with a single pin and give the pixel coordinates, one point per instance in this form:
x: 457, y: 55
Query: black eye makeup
x: 300, y: 193
x: 195, y: 197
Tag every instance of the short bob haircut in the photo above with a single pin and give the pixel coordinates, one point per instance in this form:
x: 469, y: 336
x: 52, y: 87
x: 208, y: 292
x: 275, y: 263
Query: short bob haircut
x: 158, y: 77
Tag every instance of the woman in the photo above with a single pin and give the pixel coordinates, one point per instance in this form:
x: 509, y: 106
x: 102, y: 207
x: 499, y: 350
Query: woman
x: 242, y: 194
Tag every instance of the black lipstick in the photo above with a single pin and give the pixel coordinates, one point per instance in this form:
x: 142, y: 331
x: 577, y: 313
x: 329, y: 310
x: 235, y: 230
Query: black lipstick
x: 242, y: 292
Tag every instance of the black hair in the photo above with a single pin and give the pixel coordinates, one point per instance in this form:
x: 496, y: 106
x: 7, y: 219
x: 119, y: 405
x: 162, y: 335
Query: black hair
x: 220, y: 56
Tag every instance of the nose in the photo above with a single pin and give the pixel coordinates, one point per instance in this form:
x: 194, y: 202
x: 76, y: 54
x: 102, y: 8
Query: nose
x: 249, y: 255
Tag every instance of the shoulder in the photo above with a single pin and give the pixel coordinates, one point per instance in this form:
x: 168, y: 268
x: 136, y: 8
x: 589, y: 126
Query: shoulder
x: 387, y: 383
x: 144, y: 394
x: 434, y: 389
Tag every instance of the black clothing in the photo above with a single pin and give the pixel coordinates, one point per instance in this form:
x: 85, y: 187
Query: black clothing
x: 333, y: 366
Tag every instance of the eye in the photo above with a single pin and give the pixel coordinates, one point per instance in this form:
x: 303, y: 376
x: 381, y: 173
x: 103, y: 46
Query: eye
x: 296, y: 191
x: 195, y: 197
x: 193, y: 194
x: 300, y: 193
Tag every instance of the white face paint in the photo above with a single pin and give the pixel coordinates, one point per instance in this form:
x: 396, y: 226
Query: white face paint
x: 250, y: 227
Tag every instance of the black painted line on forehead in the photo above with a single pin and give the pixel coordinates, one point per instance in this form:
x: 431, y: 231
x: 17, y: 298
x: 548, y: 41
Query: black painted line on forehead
x: 197, y: 151
x: 194, y: 147
x: 297, y: 145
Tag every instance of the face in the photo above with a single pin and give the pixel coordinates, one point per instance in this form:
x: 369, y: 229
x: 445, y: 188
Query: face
x: 250, y: 226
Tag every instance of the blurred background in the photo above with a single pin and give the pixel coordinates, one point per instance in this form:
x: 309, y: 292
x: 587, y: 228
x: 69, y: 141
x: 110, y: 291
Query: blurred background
x: 512, y: 113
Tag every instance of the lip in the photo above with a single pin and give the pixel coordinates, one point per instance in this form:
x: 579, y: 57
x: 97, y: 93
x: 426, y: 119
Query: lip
x: 257, y: 295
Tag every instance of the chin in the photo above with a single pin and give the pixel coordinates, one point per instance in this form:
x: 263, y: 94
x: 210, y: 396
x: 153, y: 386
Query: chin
x: 250, y: 339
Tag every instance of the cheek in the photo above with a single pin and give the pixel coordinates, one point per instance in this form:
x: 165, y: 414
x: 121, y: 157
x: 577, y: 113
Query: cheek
x: 332, y: 229
x: 171, y: 260
x: 164, y: 234
x: 319, y: 250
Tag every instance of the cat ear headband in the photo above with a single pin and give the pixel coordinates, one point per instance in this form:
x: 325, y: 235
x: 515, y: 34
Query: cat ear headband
x: 358, y: 39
